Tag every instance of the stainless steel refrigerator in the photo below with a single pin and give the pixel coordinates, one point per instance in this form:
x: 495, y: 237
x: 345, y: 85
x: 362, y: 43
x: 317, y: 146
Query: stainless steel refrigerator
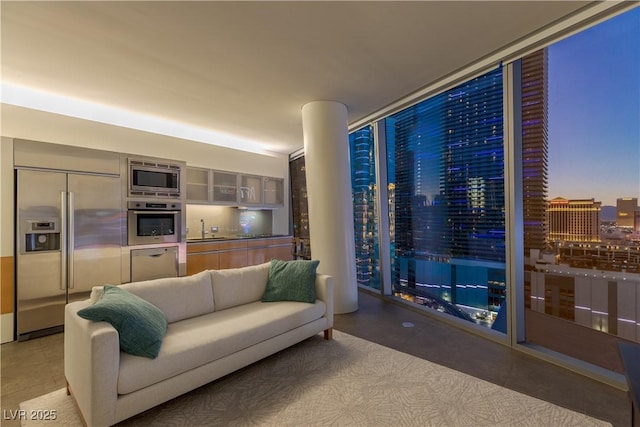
x: 69, y: 233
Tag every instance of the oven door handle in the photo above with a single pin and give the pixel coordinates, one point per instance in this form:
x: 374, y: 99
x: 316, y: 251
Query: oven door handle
x: 154, y: 212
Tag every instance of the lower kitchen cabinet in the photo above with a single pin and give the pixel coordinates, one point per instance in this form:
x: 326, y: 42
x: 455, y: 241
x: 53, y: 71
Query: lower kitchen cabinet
x: 233, y: 254
x: 281, y: 252
x: 264, y: 250
x: 202, y: 261
x: 220, y: 255
x: 202, y: 256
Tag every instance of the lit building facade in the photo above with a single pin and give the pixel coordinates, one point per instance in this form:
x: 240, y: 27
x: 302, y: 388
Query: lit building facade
x: 597, y: 300
x: 534, y: 149
x: 445, y: 163
x: 626, y: 208
x: 473, y: 170
x: 574, y: 220
x: 300, y: 208
x: 623, y: 256
x: 363, y: 183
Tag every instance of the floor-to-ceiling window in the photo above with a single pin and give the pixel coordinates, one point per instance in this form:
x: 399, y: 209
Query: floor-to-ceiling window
x: 445, y: 172
x: 581, y: 174
x: 299, y: 208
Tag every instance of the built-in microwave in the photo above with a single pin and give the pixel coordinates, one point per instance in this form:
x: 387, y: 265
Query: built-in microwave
x: 154, y: 179
x: 153, y: 222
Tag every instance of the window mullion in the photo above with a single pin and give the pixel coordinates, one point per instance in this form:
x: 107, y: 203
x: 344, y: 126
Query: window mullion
x: 514, y: 225
x: 382, y: 206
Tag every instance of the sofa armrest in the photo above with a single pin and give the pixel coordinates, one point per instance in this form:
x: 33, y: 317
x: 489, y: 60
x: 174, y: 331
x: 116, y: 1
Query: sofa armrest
x: 324, y: 292
x: 91, y: 365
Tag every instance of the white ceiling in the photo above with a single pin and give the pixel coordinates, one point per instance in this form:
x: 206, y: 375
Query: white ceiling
x: 247, y: 68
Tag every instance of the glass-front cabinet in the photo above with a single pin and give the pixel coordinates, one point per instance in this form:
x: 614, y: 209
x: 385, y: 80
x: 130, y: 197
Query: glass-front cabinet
x: 206, y: 186
x: 250, y: 191
x: 273, y: 191
x: 197, y: 185
x: 225, y: 187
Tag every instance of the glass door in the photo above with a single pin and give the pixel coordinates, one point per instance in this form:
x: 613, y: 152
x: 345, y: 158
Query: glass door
x: 225, y: 187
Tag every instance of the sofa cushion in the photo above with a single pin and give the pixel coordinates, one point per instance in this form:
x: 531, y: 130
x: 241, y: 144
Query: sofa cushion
x: 141, y: 326
x: 197, y: 341
x: 236, y: 286
x: 178, y: 297
x: 291, y: 281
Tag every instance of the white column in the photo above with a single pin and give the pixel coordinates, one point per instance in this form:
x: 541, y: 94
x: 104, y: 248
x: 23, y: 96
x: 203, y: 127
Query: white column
x: 326, y: 149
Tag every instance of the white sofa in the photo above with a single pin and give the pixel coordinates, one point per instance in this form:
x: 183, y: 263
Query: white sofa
x: 216, y: 325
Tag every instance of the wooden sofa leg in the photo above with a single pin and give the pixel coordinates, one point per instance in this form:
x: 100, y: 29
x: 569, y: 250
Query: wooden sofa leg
x: 328, y: 334
x: 75, y: 403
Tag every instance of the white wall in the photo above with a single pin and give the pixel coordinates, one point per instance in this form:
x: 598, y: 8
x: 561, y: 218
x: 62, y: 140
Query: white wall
x: 40, y: 126
x: 24, y: 123
x: 6, y: 235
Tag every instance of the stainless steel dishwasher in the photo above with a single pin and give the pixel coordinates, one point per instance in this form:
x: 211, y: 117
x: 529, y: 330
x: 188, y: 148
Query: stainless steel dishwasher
x: 153, y: 263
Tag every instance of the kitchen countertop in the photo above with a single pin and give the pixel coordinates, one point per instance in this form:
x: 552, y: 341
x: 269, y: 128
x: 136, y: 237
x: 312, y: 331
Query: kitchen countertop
x: 239, y: 237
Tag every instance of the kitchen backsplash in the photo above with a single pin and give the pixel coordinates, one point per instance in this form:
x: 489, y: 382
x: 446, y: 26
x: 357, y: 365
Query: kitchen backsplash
x: 230, y: 221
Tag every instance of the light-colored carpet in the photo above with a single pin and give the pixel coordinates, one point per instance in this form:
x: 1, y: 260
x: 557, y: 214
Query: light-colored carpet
x: 344, y: 382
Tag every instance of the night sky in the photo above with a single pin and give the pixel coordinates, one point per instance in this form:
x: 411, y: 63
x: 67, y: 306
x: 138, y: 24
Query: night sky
x: 594, y: 112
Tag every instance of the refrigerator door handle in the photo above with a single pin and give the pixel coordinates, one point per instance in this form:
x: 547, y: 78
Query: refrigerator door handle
x: 63, y: 240
x: 71, y: 243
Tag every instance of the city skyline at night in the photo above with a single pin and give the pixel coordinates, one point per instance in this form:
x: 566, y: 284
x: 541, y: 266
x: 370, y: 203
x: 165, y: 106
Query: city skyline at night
x: 594, y: 126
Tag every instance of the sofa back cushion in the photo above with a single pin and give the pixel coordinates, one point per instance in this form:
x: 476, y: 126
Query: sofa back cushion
x: 236, y: 286
x: 178, y: 297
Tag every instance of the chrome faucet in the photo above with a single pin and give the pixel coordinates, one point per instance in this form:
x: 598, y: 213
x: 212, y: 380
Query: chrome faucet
x: 203, y: 230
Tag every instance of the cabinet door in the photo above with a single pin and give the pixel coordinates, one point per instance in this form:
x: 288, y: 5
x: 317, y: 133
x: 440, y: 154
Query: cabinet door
x: 201, y: 262
x: 256, y: 256
x: 197, y: 185
x: 273, y: 190
x: 225, y: 187
x: 264, y: 250
x: 233, y: 258
x: 283, y: 253
x: 250, y: 189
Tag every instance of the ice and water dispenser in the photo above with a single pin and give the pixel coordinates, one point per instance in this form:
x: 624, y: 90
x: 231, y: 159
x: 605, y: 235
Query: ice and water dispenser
x: 41, y: 235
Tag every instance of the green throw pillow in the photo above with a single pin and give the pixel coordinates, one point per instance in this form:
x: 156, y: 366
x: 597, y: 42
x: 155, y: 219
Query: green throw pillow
x: 291, y: 281
x: 141, y: 325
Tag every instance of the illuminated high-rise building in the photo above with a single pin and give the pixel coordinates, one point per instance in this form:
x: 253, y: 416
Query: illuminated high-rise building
x: 300, y: 206
x: 625, y: 211
x: 534, y: 149
x: 445, y: 159
x: 363, y: 183
x: 473, y: 169
x: 574, y: 220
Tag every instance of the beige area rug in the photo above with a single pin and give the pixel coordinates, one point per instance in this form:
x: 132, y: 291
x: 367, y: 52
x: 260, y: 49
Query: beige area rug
x: 344, y: 382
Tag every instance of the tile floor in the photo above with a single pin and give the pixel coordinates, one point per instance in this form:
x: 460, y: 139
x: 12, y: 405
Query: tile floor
x: 32, y: 368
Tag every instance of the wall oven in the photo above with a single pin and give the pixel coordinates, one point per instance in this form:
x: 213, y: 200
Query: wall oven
x: 153, y: 222
x: 154, y: 179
